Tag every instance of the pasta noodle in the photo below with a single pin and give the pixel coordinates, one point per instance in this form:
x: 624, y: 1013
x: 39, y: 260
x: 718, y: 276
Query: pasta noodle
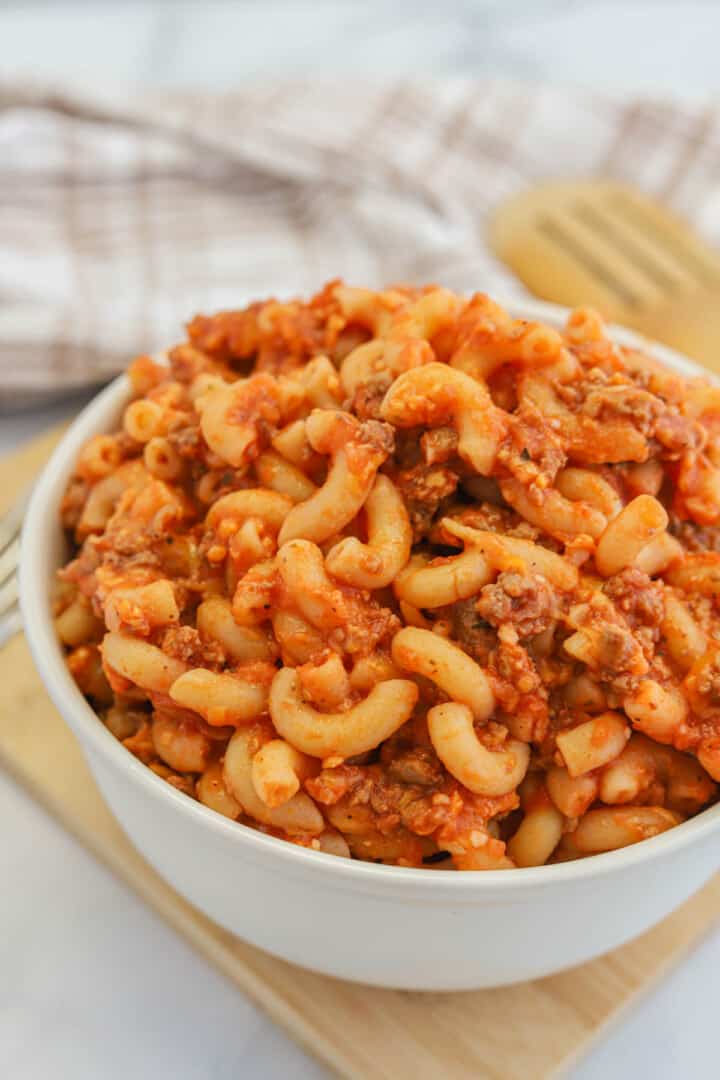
x: 394, y: 576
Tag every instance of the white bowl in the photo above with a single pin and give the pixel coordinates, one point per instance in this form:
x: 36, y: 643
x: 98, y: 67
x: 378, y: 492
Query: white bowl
x: 388, y: 926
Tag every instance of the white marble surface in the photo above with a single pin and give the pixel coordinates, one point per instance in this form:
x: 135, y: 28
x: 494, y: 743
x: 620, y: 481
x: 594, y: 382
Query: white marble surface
x: 91, y: 983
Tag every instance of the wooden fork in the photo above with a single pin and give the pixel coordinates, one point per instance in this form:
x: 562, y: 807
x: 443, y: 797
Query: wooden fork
x: 613, y: 248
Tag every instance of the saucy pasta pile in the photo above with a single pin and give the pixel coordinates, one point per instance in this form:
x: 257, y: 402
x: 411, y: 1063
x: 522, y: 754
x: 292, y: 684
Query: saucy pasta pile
x: 393, y: 575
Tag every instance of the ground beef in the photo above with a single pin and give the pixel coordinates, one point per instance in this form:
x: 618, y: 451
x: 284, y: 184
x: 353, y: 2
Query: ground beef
x: 189, y: 442
x: 619, y: 664
x: 624, y: 402
x: 677, y: 434
x: 420, y: 766
x: 471, y: 630
x: 368, y: 397
x: 374, y: 437
x: 403, y: 804
x: 365, y: 626
x: 391, y: 803
x: 606, y: 644
x: 638, y: 597
x: 439, y: 445
x: 423, y: 489
x: 695, y: 537
x: 649, y: 414
x: 371, y: 794
x: 331, y: 785
x: 525, y: 601
x: 533, y: 449
x: 519, y: 691
x: 185, y: 643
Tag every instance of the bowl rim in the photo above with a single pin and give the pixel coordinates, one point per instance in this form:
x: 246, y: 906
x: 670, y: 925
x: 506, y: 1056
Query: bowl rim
x: 40, y: 521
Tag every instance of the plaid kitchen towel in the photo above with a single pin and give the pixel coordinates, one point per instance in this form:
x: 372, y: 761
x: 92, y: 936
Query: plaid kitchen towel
x: 123, y: 215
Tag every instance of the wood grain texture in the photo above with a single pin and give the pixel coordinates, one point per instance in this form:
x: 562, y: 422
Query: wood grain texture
x: 524, y: 1032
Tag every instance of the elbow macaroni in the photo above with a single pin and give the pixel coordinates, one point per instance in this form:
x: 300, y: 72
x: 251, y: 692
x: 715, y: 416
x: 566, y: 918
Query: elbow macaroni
x: 424, y: 653
x: 356, y: 453
x: 378, y: 562
x: 394, y: 576
x: 342, y: 734
x: 433, y: 394
x: 486, y: 772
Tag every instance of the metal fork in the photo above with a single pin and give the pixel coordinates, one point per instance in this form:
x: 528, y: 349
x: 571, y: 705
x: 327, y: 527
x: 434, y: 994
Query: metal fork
x: 10, y: 525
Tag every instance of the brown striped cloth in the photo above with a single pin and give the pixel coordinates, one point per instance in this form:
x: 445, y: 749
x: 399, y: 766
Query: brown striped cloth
x: 121, y: 215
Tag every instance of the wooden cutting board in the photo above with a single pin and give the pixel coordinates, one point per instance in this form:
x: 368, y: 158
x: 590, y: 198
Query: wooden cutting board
x: 526, y: 1032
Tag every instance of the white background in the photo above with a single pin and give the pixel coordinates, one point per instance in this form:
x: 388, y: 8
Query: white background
x: 92, y: 984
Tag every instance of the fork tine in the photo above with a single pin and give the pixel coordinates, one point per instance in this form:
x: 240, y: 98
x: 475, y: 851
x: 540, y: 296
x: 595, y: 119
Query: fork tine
x: 11, y: 521
x: 10, y: 624
x: 10, y: 525
x: 9, y: 531
x: 8, y: 595
x: 9, y: 559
